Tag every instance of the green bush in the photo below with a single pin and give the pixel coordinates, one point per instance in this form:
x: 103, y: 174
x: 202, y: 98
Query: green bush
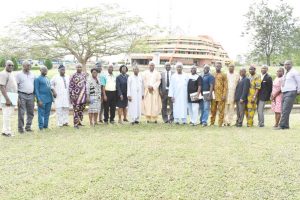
x: 2, y: 62
x: 48, y: 63
x: 16, y: 65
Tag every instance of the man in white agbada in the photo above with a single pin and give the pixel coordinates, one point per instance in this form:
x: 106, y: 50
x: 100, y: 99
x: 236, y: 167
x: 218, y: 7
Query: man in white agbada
x: 178, y: 93
x: 135, y: 94
x: 60, y: 85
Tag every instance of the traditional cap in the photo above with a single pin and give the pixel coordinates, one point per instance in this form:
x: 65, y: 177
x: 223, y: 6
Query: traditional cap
x: 61, y: 67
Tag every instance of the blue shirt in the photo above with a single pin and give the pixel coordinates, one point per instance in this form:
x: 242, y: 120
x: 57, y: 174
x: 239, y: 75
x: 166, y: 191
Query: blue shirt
x: 207, y: 80
x: 42, y: 89
x: 101, y: 79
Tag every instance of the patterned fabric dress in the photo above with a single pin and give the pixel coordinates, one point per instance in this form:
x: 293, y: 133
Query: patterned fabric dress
x: 94, y: 92
x: 77, y: 89
x: 220, y: 90
x: 255, y: 83
x: 276, y: 103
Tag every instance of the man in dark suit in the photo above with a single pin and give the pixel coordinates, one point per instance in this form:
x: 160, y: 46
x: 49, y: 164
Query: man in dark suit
x: 164, y: 90
x: 240, y: 96
x: 264, y: 94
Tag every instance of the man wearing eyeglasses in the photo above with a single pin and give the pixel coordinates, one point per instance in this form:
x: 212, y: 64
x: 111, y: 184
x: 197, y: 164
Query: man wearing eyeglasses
x: 8, y: 88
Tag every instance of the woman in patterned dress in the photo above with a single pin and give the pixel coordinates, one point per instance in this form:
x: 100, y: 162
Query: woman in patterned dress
x: 77, y: 89
x: 276, y: 96
x: 93, y: 92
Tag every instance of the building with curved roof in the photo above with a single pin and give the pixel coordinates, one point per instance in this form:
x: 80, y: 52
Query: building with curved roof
x: 189, y: 50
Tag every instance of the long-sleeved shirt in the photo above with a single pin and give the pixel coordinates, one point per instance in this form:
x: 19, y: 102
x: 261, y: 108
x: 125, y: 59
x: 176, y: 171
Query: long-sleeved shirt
x: 220, y: 87
x: 291, y: 81
x: 42, y: 89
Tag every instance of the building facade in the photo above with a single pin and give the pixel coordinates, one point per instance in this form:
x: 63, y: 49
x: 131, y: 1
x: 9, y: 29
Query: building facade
x: 198, y: 50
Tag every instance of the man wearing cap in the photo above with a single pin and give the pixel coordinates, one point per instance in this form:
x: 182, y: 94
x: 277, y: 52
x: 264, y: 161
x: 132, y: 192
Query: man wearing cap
x: 255, y: 85
x: 25, y: 82
x: 232, y: 80
x: 152, y: 102
x: 220, y: 89
x: 164, y: 90
x: 178, y: 92
x: 60, y: 85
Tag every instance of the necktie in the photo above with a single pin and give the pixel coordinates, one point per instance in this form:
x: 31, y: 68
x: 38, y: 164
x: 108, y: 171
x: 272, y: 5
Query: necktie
x: 168, y: 82
x: 64, y: 82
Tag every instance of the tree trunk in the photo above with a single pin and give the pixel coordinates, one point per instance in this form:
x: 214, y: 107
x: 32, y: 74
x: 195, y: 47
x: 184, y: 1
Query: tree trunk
x: 83, y: 62
x: 269, y: 60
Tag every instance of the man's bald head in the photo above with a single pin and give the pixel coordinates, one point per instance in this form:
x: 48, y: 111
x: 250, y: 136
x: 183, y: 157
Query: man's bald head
x: 43, y: 70
x: 9, y: 65
x: 26, y: 65
x: 288, y: 64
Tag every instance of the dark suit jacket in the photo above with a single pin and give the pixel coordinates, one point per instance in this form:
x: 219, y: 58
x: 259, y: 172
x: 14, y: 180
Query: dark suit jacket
x: 242, y: 89
x: 163, y: 83
x: 265, y: 91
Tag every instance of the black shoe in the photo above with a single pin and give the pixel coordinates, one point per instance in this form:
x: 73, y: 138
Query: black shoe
x: 204, y: 125
x: 166, y: 122
x: 112, y: 122
x: 281, y: 128
x: 100, y: 121
x: 261, y: 126
x: 29, y: 130
x: 177, y: 123
x: 21, y: 131
x: 6, y: 134
x: 136, y: 122
x: 125, y: 120
x: 155, y: 122
x: 65, y: 124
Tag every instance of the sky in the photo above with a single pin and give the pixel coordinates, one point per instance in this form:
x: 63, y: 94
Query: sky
x: 221, y: 19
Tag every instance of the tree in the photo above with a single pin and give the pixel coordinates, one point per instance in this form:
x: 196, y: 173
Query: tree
x: 2, y: 62
x: 48, y: 63
x: 270, y: 29
x: 12, y: 47
x: 16, y: 65
x: 85, y: 33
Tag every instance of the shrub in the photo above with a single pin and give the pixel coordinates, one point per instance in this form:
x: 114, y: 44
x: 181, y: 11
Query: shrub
x: 16, y: 65
x: 48, y: 63
x: 2, y: 62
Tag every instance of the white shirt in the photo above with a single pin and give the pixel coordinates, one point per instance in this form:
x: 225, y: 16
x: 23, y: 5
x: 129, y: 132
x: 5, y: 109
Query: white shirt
x: 291, y: 81
x: 25, y: 82
x: 61, y: 86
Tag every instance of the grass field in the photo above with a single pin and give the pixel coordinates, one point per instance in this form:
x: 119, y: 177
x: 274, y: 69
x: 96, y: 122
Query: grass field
x: 152, y: 162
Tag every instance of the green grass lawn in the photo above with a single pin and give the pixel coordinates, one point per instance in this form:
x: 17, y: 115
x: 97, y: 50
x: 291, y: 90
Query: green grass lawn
x: 152, y: 162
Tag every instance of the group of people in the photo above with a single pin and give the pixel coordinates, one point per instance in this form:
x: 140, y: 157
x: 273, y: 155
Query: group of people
x: 173, y: 94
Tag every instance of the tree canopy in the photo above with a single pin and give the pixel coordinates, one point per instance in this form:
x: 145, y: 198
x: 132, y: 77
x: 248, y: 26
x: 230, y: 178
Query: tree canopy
x: 88, y: 32
x: 270, y: 29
